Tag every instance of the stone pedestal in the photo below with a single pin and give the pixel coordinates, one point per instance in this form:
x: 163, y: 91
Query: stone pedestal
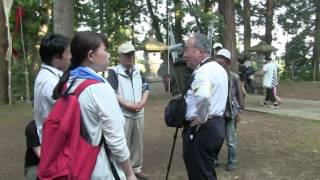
x: 152, y: 63
x: 259, y: 59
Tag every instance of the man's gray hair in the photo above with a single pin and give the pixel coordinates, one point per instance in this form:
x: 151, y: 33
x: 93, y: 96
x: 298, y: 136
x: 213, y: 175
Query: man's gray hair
x: 202, y: 42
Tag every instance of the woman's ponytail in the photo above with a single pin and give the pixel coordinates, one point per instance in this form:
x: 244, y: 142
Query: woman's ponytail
x: 57, y: 91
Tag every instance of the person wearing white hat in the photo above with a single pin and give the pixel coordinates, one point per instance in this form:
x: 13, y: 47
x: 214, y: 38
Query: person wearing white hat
x: 217, y: 47
x: 132, y: 92
x: 234, y: 104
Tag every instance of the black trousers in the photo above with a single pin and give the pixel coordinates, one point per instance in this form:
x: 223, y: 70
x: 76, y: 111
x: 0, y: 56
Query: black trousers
x: 200, y: 151
x: 270, y: 95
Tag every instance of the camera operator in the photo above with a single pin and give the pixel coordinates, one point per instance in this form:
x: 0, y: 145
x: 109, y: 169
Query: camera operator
x: 206, y: 99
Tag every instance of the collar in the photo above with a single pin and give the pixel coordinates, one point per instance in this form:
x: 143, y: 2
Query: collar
x: 202, y: 62
x: 52, y: 70
x: 123, y: 68
x: 92, y: 71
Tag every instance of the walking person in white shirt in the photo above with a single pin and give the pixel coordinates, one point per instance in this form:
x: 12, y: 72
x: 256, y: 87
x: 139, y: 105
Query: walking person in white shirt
x: 270, y: 81
x: 100, y: 110
x: 55, y: 56
x: 204, y: 129
x: 132, y: 93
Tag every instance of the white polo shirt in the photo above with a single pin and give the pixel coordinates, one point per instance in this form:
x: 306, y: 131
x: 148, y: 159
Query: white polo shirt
x: 208, y: 94
x: 47, y: 79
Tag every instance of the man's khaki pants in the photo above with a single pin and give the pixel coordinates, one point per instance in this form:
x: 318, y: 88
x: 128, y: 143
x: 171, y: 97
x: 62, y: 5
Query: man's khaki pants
x: 134, y: 135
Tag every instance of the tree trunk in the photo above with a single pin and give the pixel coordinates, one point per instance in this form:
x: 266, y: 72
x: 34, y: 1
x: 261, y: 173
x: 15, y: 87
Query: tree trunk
x: 155, y: 22
x: 247, y: 27
x: 178, y: 21
x: 226, y: 8
x: 316, y: 49
x: 63, y: 12
x: 5, y: 92
x: 222, y: 27
x: 101, y: 15
x: 269, y: 22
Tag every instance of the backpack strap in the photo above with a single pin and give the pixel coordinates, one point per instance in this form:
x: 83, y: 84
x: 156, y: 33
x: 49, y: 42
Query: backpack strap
x: 112, y: 166
x: 83, y: 85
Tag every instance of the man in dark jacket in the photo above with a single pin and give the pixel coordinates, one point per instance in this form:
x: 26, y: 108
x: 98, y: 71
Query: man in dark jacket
x: 234, y: 104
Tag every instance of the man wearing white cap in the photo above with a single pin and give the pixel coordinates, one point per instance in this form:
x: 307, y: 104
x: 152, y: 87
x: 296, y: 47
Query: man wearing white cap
x: 132, y: 92
x: 234, y: 104
x: 217, y: 47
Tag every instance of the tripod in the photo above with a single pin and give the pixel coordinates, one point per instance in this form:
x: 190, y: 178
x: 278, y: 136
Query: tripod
x: 171, y: 154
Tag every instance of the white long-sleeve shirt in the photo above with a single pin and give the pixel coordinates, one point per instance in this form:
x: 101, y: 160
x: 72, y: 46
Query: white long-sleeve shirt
x: 102, y: 115
x: 47, y: 79
x: 208, y: 94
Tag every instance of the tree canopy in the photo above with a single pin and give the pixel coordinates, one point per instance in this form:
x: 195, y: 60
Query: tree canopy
x: 233, y: 23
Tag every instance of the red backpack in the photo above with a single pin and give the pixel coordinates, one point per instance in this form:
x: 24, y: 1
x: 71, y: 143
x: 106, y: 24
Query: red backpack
x: 66, y: 152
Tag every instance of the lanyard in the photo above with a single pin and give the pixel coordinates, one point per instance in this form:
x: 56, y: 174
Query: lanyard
x: 51, y: 71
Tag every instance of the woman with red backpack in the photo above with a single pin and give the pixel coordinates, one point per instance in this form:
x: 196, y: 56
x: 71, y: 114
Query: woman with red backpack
x: 101, y: 116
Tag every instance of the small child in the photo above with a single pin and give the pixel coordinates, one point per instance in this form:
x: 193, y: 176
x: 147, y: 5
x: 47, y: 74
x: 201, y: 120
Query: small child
x: 32, y: 156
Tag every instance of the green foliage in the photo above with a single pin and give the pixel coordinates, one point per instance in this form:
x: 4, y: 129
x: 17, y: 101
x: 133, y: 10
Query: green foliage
x: 298, y: 19
x: 101, y: 16
x: 297, y: 15
x: 18, y: 81
x: 205, y: 15
x: 297, y: 52
x: 297, y: 49
x: 119, y: 19
x: 33, y: 17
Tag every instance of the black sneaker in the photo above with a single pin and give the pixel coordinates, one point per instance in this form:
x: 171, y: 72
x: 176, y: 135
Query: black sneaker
x: 264, y: 103
x: 274, y: 106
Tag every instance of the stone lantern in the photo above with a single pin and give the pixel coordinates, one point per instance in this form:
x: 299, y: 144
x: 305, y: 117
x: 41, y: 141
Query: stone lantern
x: 152, y: 55
x: 258, y: 55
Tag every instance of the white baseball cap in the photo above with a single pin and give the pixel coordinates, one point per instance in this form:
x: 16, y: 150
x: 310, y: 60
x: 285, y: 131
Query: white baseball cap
x: 216, y: 45
x: 225, y: 53
x: 126, y: 47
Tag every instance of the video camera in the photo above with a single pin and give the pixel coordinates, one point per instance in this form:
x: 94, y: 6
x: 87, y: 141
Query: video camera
x: 176, y: 51
x: 181, y: 72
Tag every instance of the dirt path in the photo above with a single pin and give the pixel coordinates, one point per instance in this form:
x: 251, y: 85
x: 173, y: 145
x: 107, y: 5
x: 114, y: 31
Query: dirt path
x: 270, y: 147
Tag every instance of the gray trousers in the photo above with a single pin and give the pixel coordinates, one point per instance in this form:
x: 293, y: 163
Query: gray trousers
x: 231, y: 140
x: 134, y: 136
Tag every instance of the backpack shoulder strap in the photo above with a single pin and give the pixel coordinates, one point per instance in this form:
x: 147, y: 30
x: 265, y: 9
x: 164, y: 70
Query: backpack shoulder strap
x: 83, y: 85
